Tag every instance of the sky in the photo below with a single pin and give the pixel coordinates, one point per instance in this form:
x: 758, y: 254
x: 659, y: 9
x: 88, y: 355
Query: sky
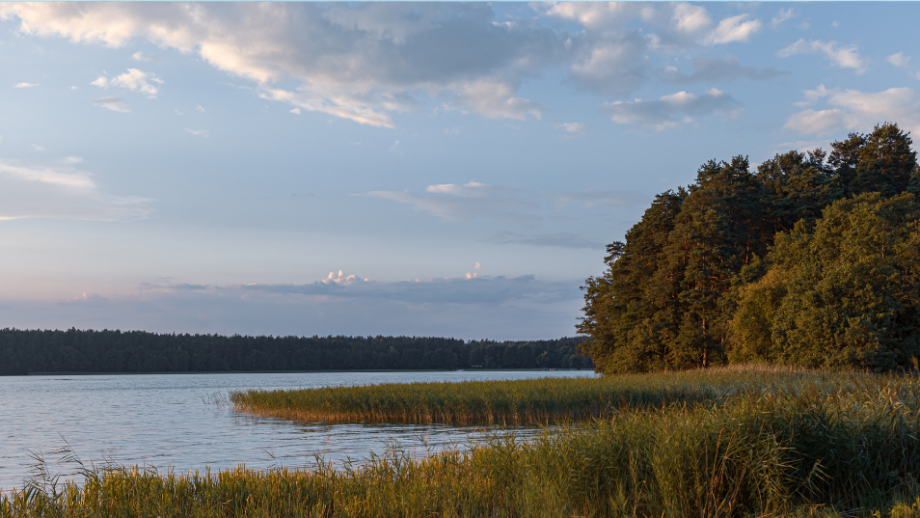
x: 437, y: 169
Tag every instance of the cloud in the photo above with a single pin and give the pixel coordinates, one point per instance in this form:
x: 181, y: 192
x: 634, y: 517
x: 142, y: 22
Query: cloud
x: 452, y: 202
x: 613, y: 58
x: 856, y: 110
x: 495, y: 100
x: 140, y: 56
x: 116, y: 104
x: 841, y: 57
x: 782, y: 16
x: 502, y: 308
x: 474, y: 200
x: 899, y: 60
x: 199, y: 133
x: 133, y: 80
x: 716, y: 69
x: 595, y: 15
x: 690, y: 19
x: 612, y: 64
x: 61, y: 192
x: 25, y: 85
x: 670, y: 111
x: 737, y: 28
x: 362, y: 62
x: 558, y: 239
x: 199, y: 108
x: 667, y: 25
x: 822, y: 122
x: 574, y: 128
x: 295, y: 111
x: 456, y: 290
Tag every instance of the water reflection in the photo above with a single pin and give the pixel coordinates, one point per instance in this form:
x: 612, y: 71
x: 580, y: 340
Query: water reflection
x: 177, y: 422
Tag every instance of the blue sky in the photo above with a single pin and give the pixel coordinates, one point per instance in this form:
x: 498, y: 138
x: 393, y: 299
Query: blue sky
x: 457, y: 168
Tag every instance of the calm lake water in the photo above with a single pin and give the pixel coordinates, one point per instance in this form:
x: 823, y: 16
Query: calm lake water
x: 171, y: 421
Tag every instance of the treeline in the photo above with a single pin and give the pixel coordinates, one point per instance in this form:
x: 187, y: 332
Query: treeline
x: 24, y: 352
x: 813, y: 259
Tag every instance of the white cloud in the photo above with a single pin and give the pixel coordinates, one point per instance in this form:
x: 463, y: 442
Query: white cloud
x: 474, y: 200
x: 736, y: 28
x: 199, y: 108
x: 856, y: 110
x: 614, y: 64
x: 295, y: 111
x: 782, y: 16
x: 360, y: 62
x: 572, y: 127
x: 899, y: 60
x: 25, y: 85
x: 116, y: 104
x: 134, y: 80
x: 495, y: 100
x: 671, y: 111
x: 140, y: 56
x: 614, y: 58
x: 842, y: 57
x: 199, y: 133
x: 61, y: 192
x: 822, y: 122
x: 595, y: 15
x: 36, y: 147
x: 690, y: 19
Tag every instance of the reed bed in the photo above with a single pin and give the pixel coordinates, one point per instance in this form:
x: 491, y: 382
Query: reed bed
x: 844, y: 445
x: 545, y: 401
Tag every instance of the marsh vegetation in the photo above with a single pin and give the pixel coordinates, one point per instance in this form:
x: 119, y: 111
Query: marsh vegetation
x: 722, y: 442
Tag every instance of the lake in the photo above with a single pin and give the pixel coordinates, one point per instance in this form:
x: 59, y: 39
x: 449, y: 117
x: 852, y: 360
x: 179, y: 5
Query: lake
x: 176, y: 421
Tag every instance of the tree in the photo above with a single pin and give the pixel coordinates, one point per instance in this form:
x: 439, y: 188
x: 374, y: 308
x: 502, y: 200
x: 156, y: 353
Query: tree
x: 881, y: 161
x: 845, y: 293
x: 670, y: 295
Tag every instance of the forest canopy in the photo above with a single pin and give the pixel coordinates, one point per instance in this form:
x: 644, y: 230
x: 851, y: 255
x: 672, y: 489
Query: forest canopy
x: 811, y: 260
x: 83, y: 351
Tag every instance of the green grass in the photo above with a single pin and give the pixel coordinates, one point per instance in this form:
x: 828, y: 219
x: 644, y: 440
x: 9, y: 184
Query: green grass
x: 547, y: 400
x: 764, y: 443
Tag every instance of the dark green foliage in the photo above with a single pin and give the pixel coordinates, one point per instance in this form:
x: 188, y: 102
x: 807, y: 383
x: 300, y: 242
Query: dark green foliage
x: 846, y: 292
x: 669, y: 297
x: 24, y: 352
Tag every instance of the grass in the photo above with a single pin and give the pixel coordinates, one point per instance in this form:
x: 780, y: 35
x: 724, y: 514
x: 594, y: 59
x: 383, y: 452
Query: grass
x: 761, y: 443
x: 547, y: 400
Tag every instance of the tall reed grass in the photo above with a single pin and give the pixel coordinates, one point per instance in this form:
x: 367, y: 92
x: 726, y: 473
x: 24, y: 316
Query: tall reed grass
x: 785, y: 452
x: 788, y: 444
x: 547, y: 400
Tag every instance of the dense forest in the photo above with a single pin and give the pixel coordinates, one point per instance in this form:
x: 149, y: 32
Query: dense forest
x: 25, y: 352
x: 813, y: 259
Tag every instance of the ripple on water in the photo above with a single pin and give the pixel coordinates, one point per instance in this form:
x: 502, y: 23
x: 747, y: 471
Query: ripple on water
x: 174, y: 421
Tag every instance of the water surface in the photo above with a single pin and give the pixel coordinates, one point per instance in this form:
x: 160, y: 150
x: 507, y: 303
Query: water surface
x: 170, y: 421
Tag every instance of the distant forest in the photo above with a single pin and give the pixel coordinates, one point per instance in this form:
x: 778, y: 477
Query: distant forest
x: 26, y: 352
